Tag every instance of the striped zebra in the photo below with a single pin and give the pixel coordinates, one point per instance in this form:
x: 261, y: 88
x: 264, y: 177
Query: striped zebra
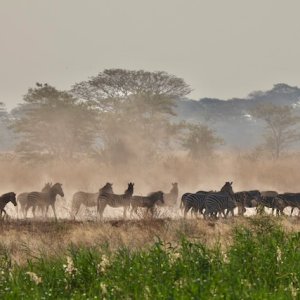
x: 282, y: 201
x: 85, y: 199
x: 147, y: 202
x: 22, y: 200
x: 194, y: 202
x: 183, y: 200
x: 241, y: 198
x: 114, y: 200
x: 171, y: 197
x: 4, y: 199
x: 44, y: 199
x: 219, y: 202
x: 253, y: 197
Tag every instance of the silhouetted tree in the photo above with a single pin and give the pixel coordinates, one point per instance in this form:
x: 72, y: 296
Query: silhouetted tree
x: 150, y: 92
x: 53, y: 123
x: 281, y: 127
x: 135, y: 107
x: 199, y: 140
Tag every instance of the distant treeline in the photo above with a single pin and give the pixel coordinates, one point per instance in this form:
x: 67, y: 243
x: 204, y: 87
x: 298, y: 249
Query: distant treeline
x: 121, y: 115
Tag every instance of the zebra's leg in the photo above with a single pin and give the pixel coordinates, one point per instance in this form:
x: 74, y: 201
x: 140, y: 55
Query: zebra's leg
x: 53, y: 208
x: 131, y: 211
x: 186, y: 210
x: 102, y: 206
x: 151, y: 209
x: 76, y: 210
x: 206, y: 214
x: 45, y: 213
x: 292, y: 210
x: 124, y: 212
x: 17, y: 210
x: 33, y: 210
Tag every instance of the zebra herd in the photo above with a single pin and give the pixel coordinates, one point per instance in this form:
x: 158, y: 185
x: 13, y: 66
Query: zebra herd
x: 210, y: 204
x: 105, y: 197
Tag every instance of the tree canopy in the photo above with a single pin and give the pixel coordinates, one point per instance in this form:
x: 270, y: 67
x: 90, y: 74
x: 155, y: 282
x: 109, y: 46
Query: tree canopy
x: 53, y: 123
x: 281, y: 126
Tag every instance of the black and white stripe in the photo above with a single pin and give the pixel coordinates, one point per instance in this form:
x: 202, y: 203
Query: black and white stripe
x: 44, y: 199
x: 218, y: 203
x: 147, y: 202
x: 85, y: 199
x: 106, y: 198
x: 194, y: 202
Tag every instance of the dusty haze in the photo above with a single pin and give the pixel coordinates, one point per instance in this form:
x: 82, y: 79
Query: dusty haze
x: 89, y: 176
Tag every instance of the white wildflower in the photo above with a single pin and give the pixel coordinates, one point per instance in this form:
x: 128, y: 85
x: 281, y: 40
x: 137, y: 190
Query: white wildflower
x: 69, y: 267
x: 279, y: 255
x: 103, y: 288
x: 294, y: 291
x: 147, y: 292
x: 102, y: 266
x: 36, y: 279
x: 174, y: 256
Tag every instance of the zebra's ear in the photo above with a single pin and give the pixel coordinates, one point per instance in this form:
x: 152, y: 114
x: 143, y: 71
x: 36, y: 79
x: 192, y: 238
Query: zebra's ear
x: 231, y: 182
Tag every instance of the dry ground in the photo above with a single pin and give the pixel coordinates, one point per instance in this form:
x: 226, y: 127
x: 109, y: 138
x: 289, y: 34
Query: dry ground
x: 27, y: 239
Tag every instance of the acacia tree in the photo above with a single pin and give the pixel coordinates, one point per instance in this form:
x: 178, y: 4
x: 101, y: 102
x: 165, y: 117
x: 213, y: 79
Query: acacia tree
x: 281, y: 127
x: 135, y: 107
x: 53, y: 123
x: 199, y: 140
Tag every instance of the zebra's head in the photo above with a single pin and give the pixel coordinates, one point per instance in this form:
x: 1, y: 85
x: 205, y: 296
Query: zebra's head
x: 130, y: 188
x: 107, y: 188
x: 227, y: 188
x: 57, y: 189
x: 174, y: 185
x: 157, y: 197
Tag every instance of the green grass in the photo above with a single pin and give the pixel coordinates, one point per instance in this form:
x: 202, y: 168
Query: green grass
x: 263, y: 262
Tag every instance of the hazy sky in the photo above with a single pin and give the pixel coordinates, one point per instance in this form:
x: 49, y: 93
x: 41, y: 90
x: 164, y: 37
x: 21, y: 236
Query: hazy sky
x: 222, y: 48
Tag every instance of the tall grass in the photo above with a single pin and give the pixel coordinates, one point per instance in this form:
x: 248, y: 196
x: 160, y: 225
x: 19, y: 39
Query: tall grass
x: 262, y: 262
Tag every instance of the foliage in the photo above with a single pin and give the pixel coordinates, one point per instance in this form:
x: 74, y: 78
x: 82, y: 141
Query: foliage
x: 53, y: 123
x: 263, y: 262
x: 199, y: 140
x: 149, y: 91
x: 281, y: 127
x: 135, y: 109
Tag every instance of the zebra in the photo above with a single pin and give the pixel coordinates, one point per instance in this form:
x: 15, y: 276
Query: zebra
x: 170, y: 198
x: 285, y: 200
x: 44, y: 199
x: 4, y: 199
x: 83, y: 198
x: 113, y: 200
x: 267, y: 199
x: 253, y: 197
x: 22, y: 199
x: 147, y: 202
x: 219, y: 202
x: 241, y: 198
x: 194, y: 202
x: 183, y: 199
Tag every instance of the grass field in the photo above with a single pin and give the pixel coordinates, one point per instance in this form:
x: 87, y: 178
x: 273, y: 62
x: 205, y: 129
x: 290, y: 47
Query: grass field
x: 241, y: 258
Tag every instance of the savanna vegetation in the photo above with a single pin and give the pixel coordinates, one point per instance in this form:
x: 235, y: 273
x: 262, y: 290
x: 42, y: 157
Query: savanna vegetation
x: 254, y: 258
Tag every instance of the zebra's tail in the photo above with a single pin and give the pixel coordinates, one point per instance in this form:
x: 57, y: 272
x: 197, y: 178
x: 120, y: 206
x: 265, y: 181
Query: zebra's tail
x: 182, y: 202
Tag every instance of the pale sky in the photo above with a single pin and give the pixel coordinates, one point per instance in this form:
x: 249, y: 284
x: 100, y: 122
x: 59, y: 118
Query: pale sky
x: 222, y: 48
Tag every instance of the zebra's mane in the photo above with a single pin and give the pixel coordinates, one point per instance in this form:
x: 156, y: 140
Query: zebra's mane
x: 155, y: 195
